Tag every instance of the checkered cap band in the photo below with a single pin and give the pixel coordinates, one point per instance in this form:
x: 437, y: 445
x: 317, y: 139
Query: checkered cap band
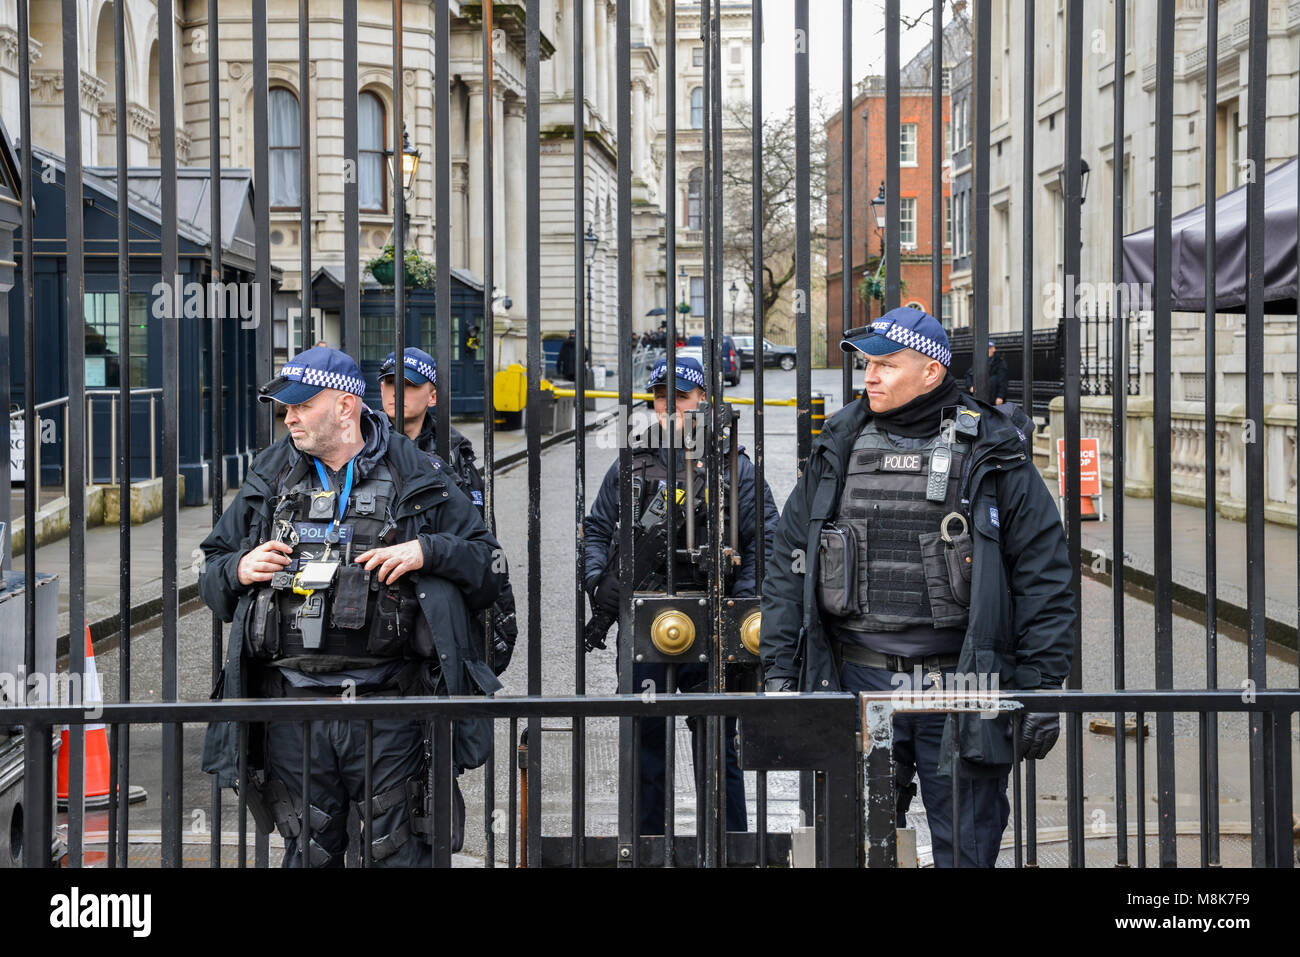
x: 689, y: 373
x: 309, y: 375
x: 412, y: 362
x: 913, y: 340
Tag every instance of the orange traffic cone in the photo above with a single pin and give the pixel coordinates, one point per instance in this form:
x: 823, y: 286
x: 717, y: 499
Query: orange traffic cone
x: 97, y: 761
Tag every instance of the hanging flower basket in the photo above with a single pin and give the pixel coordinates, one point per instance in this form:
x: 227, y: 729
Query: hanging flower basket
x: 418, y: 271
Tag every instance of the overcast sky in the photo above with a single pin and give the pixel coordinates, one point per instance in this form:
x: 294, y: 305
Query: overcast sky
x: 825, y: 45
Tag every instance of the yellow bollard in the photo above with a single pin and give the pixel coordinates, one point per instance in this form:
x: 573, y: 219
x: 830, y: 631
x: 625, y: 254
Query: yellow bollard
x: 818, y: 412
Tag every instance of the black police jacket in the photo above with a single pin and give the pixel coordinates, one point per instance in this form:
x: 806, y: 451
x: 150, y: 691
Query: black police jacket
x: 1022, y: 612
x: 456, y: 580
x: 600, y: 527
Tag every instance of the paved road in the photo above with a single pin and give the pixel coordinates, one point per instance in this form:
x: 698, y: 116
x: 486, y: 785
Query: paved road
x: 557, y: 644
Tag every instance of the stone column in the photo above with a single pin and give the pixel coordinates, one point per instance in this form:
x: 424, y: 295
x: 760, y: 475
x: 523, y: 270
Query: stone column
x: 638, y: 130
x: 611, y: 67
x: 474, y: 152
x: 598, y: 75
x: 499, y: 158
x: 589, y: 62
x: 515, y: 208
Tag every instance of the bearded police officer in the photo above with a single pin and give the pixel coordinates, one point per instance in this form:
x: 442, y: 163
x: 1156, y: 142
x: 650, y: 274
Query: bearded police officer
x: 419, y: 399
x: 348, y: 566
x: 650, y: 460
x: 934, y: 548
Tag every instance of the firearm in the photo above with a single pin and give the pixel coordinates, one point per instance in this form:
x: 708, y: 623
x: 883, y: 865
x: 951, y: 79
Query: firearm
x: 649, y: 556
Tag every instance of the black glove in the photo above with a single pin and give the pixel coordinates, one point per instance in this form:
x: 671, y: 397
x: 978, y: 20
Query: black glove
x: 604, y: 597
x: 593, y: 636
x: 501, y: 652
x: 1038, y: 732
x: 779, y: 684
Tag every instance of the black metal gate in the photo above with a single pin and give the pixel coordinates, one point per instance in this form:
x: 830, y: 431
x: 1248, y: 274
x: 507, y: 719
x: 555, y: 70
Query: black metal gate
x: 848, y: 803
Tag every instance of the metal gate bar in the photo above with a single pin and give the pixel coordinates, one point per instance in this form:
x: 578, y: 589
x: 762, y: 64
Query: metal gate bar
x: 1210, y: 732
x: 1119, y: 420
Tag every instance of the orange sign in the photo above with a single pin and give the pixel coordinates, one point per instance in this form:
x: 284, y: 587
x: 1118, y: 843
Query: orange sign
x: 1089, y: 467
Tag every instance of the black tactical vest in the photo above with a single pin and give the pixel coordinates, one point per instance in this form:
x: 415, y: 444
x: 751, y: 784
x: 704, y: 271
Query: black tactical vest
x: 650, y: 479
x: 893, y: 559
x: 355, y: 617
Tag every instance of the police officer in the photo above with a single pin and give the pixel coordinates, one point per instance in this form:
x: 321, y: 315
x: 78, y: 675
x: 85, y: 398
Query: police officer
x: 348, y: 565
x: 419, y: 398
x: 650, y: 457
x: 998, y: 377
x: 935, y: 550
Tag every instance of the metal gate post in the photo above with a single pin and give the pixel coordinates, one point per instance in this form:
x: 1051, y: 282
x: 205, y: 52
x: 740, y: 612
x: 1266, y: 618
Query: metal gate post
x: 881, y: 798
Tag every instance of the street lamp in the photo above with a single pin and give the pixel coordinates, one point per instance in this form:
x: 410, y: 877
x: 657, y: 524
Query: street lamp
x: 1083, y: 180
x: 733, y: 292
x: 410, y: 163
x: 591, y: 242
x: 878, y: 208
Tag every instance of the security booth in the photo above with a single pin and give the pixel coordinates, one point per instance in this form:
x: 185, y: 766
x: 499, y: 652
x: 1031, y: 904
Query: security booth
x: 190, y: 298
x: 378, y: 306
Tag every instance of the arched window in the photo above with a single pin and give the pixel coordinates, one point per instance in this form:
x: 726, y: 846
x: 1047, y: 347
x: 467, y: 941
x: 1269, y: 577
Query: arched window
x: 695, y: 199
x: 697, y: 108
x: 284, y: 158
x: 372, y: 188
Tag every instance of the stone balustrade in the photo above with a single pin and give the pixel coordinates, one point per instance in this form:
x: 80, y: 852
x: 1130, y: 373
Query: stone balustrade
x: 1233, y: 433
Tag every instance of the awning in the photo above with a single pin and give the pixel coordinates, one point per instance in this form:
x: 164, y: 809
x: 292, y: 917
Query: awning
x: 1188, y: 250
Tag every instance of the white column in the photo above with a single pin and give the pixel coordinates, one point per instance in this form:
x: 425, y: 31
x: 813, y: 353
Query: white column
x: 474, y: 153
x: 515, y: 209
x: 501, y: 275
x: 590, y: 80
x: 638, y: 130
x: 611, y: 66
x: 598, y: 77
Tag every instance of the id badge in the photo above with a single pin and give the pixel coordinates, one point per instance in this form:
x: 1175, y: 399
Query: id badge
x: 317, y: 575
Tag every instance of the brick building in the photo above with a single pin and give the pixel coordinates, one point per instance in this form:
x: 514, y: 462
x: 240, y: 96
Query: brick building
x: 867, y: 115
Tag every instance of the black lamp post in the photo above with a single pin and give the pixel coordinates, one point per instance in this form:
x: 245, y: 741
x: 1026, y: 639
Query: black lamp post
x: 683, y: 300
x: 880, y: 211
x: 590, y: 244
x: 1083, y: 180
x: 733, y: 292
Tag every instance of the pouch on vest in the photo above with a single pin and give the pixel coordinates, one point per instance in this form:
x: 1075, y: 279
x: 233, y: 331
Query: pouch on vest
x: 352, y: 590
x: 386, y: 637
x: 947, y: 560
x: 262, y: 628
x: 837, y: 570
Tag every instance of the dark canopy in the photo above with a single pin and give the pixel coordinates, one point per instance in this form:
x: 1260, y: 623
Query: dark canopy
x: 1188, y: 250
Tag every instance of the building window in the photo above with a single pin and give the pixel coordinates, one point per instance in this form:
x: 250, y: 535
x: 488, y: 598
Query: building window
x: 907, y: 222
x: 960, y: 237
x: 371, y: 188
x: 697, y: 295
x: 104, y: 347
x: 947, y: 221
x: 735, y: 53
x: 695, y: 199
x: 946, y: 310
x: 947, y: 140
x: 907, y: 144
x: 697, y: 56
x: 697, y: 108
x: 283, y: 140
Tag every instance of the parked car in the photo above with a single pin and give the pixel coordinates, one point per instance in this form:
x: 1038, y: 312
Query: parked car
x: 730, y: 358
x: 773, y: 355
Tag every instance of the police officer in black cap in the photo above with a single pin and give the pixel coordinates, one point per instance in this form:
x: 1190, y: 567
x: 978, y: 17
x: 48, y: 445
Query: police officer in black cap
x: 419, y: 399
x: 936, y: 550
x: 650, y: 457
x: 348, y: 566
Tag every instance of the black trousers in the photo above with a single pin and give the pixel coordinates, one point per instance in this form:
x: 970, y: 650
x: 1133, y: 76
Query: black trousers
x: 337, y: 750
x: 653, y: 753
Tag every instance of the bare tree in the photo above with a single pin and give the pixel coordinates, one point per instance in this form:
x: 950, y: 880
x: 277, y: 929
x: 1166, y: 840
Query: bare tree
x: 777, y: 205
